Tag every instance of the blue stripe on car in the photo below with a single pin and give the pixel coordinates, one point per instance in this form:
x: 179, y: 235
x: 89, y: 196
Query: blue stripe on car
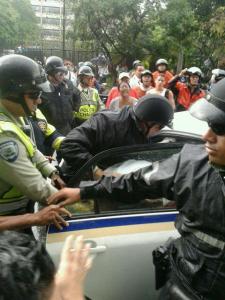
x: 113, y: 222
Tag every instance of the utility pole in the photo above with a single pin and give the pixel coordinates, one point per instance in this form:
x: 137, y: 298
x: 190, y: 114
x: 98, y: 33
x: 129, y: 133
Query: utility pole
x: 64, y: 28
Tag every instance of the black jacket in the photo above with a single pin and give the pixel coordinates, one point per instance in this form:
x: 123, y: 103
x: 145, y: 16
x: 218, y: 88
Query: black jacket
x: 197, y: 258
x: 58, y: 106
x: 186, y: 178
x: 104, y: 130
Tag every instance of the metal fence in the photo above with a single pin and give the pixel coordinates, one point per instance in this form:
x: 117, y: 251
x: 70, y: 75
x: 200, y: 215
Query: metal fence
x: 41, y: 53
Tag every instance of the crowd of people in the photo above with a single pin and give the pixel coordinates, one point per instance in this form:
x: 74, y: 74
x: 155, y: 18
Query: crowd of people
x: 56, y: 109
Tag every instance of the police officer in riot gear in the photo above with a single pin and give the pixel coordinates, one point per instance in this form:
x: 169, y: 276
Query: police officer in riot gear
x: 58, y: 104
x: 22, y: 165
x: 90, y: 101
x: 195, y: 179
x: 109, y: 129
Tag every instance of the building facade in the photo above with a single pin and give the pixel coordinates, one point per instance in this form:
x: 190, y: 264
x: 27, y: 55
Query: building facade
x: 50, y: 14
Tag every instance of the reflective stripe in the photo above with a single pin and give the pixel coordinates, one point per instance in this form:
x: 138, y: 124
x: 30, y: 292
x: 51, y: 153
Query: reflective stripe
x: 13, y: 193
x: 48, y: 128
x: 57, y: 142
x: 209, y: 240
x: 7, y: 208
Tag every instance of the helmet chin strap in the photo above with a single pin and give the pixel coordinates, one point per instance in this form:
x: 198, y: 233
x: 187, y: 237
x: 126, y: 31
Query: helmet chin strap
x: 25, y: 107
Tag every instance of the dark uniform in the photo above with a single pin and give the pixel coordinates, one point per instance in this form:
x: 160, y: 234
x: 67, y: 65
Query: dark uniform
x: 198, y: 257
x: 104, y: 130
x: 57, y: 106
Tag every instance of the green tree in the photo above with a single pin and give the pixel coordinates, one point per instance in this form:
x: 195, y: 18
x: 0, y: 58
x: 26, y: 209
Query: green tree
x: 117, y: 27
x: 18, y: 24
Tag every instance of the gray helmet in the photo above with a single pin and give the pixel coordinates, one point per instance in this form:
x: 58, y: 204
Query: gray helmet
x: 211, y: 108
x: 135, y: 63
x: 85, y: 70
x: 217, y: 75
x: 54, y: 64
x: 80, y: 64
x: 154, y: 108
x: 161, y: 61
x: 89, y: 64
x: 195, y: 71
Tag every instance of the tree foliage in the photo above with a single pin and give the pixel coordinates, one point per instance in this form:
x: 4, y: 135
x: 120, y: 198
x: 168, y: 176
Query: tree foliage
x: 191, y: 32
x: 18, y: 24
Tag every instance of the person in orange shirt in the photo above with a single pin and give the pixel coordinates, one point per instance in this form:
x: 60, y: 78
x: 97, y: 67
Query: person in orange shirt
x: 114, y: 92
x: 147, y: 83
x: 161, y: 70
x: 188, y: 92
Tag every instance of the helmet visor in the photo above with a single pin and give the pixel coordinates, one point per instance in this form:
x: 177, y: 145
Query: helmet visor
x: 206, y: 111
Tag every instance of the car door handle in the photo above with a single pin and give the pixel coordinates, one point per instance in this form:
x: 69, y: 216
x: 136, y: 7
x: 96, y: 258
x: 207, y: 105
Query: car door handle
x: 98, y: 249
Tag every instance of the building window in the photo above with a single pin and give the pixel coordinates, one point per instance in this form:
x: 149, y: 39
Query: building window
x: 51, y: 21
x: 51, y: 33
x: 51, y: 10
x: 36, y: 8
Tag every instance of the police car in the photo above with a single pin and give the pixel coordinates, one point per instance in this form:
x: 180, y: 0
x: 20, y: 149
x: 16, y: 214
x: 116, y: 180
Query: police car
x: 123, y: 236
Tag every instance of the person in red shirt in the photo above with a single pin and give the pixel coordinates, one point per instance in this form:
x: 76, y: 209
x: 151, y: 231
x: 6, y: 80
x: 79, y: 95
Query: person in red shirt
x: 188, y: 92
x: 114, y: 92
x: 161, y: 70
x: 147, y: 83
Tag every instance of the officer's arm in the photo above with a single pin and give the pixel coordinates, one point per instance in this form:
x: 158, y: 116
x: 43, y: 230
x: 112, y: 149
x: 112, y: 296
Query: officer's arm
x: 150, y: 182
x: 153, y: 181
x: 17, y: 170
x: 79, y: 144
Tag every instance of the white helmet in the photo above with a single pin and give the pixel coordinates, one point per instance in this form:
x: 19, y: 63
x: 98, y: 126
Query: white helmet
x: 195, y: 71
x: 161, y: 61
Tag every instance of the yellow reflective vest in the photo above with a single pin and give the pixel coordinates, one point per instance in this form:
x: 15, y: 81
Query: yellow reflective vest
x: 13, y: 197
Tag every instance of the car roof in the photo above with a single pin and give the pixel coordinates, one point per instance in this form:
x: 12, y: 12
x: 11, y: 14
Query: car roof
x: 183, y: 121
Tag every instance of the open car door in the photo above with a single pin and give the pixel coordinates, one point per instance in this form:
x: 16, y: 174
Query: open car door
x: 122, y: 236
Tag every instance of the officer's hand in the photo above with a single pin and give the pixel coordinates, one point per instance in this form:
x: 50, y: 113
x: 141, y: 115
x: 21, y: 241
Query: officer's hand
x: 57, y: 181
x: 52, y: 215
x: 65, y: 196
x: 98, y: 173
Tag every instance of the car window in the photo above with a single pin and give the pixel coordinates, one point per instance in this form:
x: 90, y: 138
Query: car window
x: 122, y: 163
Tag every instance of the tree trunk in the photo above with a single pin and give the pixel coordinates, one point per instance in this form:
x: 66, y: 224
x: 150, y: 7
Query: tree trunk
x: 180, y: 60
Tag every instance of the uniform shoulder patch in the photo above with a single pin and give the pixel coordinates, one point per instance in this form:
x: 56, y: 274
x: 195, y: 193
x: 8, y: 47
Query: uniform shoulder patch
x: 9, y: 151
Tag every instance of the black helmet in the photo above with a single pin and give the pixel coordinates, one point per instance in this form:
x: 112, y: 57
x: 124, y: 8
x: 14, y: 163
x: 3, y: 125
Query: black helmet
x: 85, y: 70
x: 161, y: 61
x: 211, y: 108
x: 195, y: 71
x: 154, y: 108
x: 19, y: 74
x: 54, y: 64
x: 146, y: 72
